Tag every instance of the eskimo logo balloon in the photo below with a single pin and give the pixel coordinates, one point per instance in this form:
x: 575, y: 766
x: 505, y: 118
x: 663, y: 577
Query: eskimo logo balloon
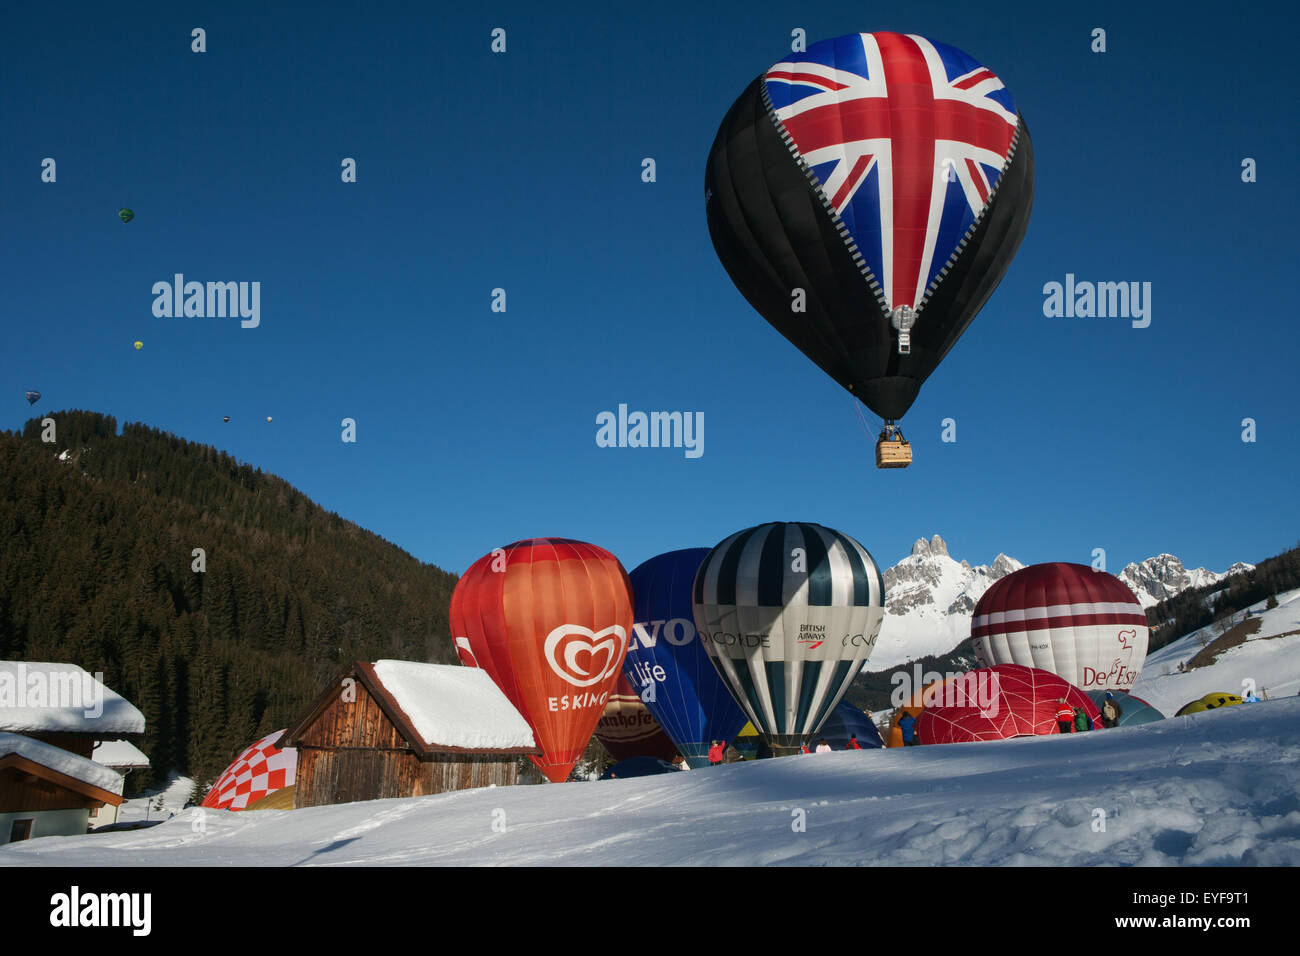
x: 573, y: 651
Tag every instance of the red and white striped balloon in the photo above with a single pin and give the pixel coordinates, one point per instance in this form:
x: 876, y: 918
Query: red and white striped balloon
x: 1081, y: 624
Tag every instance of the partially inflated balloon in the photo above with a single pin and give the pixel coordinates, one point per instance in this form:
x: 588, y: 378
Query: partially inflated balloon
x: 881, y: 183
x: 549, y: 620
x: 1070, y: 619
x: 789, y: 612
x: 628, y: 729
x: 667, y: 662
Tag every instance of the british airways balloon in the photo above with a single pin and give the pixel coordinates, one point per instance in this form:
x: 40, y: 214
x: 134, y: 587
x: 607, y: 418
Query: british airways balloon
x: 882, y: 182
x: 669, y: 666
x: 789, y: 613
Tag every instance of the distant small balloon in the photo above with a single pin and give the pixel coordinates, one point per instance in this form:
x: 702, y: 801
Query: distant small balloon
x: 225, y: 418
x: 126, y: 215
x: 32, y: 397
x: 139, y: 345
x: 268, y: 418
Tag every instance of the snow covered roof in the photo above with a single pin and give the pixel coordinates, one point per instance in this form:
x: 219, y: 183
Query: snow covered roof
x: 63, y: 761
x: 436, y: 708
x: 454, y: 706
x: 119, y: 754
x: 39, y: 697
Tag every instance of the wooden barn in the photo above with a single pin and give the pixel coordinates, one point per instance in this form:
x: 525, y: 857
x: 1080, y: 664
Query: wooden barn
x: 405, y: 729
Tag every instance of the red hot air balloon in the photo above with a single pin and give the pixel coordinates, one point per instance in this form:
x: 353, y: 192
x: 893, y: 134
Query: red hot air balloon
x: 1070, y: 619
x: 996, y: 703
x: 549, y: 620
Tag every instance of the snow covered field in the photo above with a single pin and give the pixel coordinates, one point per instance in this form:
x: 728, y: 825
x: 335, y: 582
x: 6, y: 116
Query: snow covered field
x: 1221, y: 787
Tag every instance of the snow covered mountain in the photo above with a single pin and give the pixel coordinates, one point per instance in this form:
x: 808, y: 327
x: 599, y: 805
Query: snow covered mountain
x: 1162, y: 577
x: 929, y: 600
x: 930, y: 597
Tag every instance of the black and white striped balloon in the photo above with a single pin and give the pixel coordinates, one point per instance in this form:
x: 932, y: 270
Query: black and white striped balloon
x: 789, y: 612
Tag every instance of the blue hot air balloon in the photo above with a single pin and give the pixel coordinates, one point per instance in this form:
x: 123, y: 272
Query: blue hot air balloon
x: 32, y: 397
x: 666, y: 663
x: 846, y: 720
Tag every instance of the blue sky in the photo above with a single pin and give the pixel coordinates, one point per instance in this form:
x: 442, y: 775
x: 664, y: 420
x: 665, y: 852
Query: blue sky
x: 522, y: 171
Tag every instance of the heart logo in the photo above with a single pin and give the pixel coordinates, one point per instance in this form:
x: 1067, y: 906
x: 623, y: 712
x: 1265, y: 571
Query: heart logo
x: 572, y: 651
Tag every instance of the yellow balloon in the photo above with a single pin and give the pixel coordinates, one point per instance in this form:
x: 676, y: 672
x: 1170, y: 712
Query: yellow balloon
x: 139, y: 345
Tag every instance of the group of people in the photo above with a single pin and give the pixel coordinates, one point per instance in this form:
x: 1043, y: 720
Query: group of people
x: 722, y: 752
x: 1075, y: 720
x: 824, y: 748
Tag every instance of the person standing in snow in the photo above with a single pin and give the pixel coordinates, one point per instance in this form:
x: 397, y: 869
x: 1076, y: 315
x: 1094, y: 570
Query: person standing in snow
x: 1064, y: 716
x: 823, y: 747
x: 853, y: 743
x: 1082, y: 722
x: 1111, y: 711
x: 907, y: 724
x: 731, y: 754
x: 715, y: 752
x: 803, y: 749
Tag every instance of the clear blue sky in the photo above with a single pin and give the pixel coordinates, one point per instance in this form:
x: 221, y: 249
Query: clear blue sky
x: 522, y: 171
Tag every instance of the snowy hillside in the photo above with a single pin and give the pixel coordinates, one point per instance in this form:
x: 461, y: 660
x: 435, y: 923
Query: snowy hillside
x: 1270, y: 660
x: 1162, y: 788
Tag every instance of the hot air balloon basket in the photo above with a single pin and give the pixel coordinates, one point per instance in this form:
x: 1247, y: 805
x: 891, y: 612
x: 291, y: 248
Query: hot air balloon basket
x: 893, y: 453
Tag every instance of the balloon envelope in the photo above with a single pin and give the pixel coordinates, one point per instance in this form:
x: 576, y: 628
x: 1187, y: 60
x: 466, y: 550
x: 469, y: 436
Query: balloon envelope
x: 846, y: 720
x: 126, y: 215
x: 628, y: 729
x: 789, y: 613
x: 549, y: 620
x: 668, y: 664
x: 1132, y: 710
x: 874, y: 171
x: 999, y: 702
x: 1082, y: 624
x: 1211, y: 701
x: 32, y: 397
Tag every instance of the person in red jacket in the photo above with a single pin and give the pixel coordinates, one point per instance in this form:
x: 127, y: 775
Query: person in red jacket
x: 715, y: 752
x: 853, y: 743
x: 1064, y: 716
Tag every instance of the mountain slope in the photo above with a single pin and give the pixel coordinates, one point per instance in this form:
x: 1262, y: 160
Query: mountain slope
x: 98, y: 539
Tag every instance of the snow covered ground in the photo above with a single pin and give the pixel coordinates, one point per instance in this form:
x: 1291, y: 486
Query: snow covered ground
x: 1221, y: 787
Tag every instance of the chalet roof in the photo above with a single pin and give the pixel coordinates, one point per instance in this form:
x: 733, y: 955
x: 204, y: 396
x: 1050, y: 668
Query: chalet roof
x: 60, y: 761
x: 42, y: 697
x: 120, y: 755
x: 437, y: 708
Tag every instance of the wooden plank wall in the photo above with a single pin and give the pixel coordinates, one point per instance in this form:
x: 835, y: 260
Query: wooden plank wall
x: 353, y: 752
